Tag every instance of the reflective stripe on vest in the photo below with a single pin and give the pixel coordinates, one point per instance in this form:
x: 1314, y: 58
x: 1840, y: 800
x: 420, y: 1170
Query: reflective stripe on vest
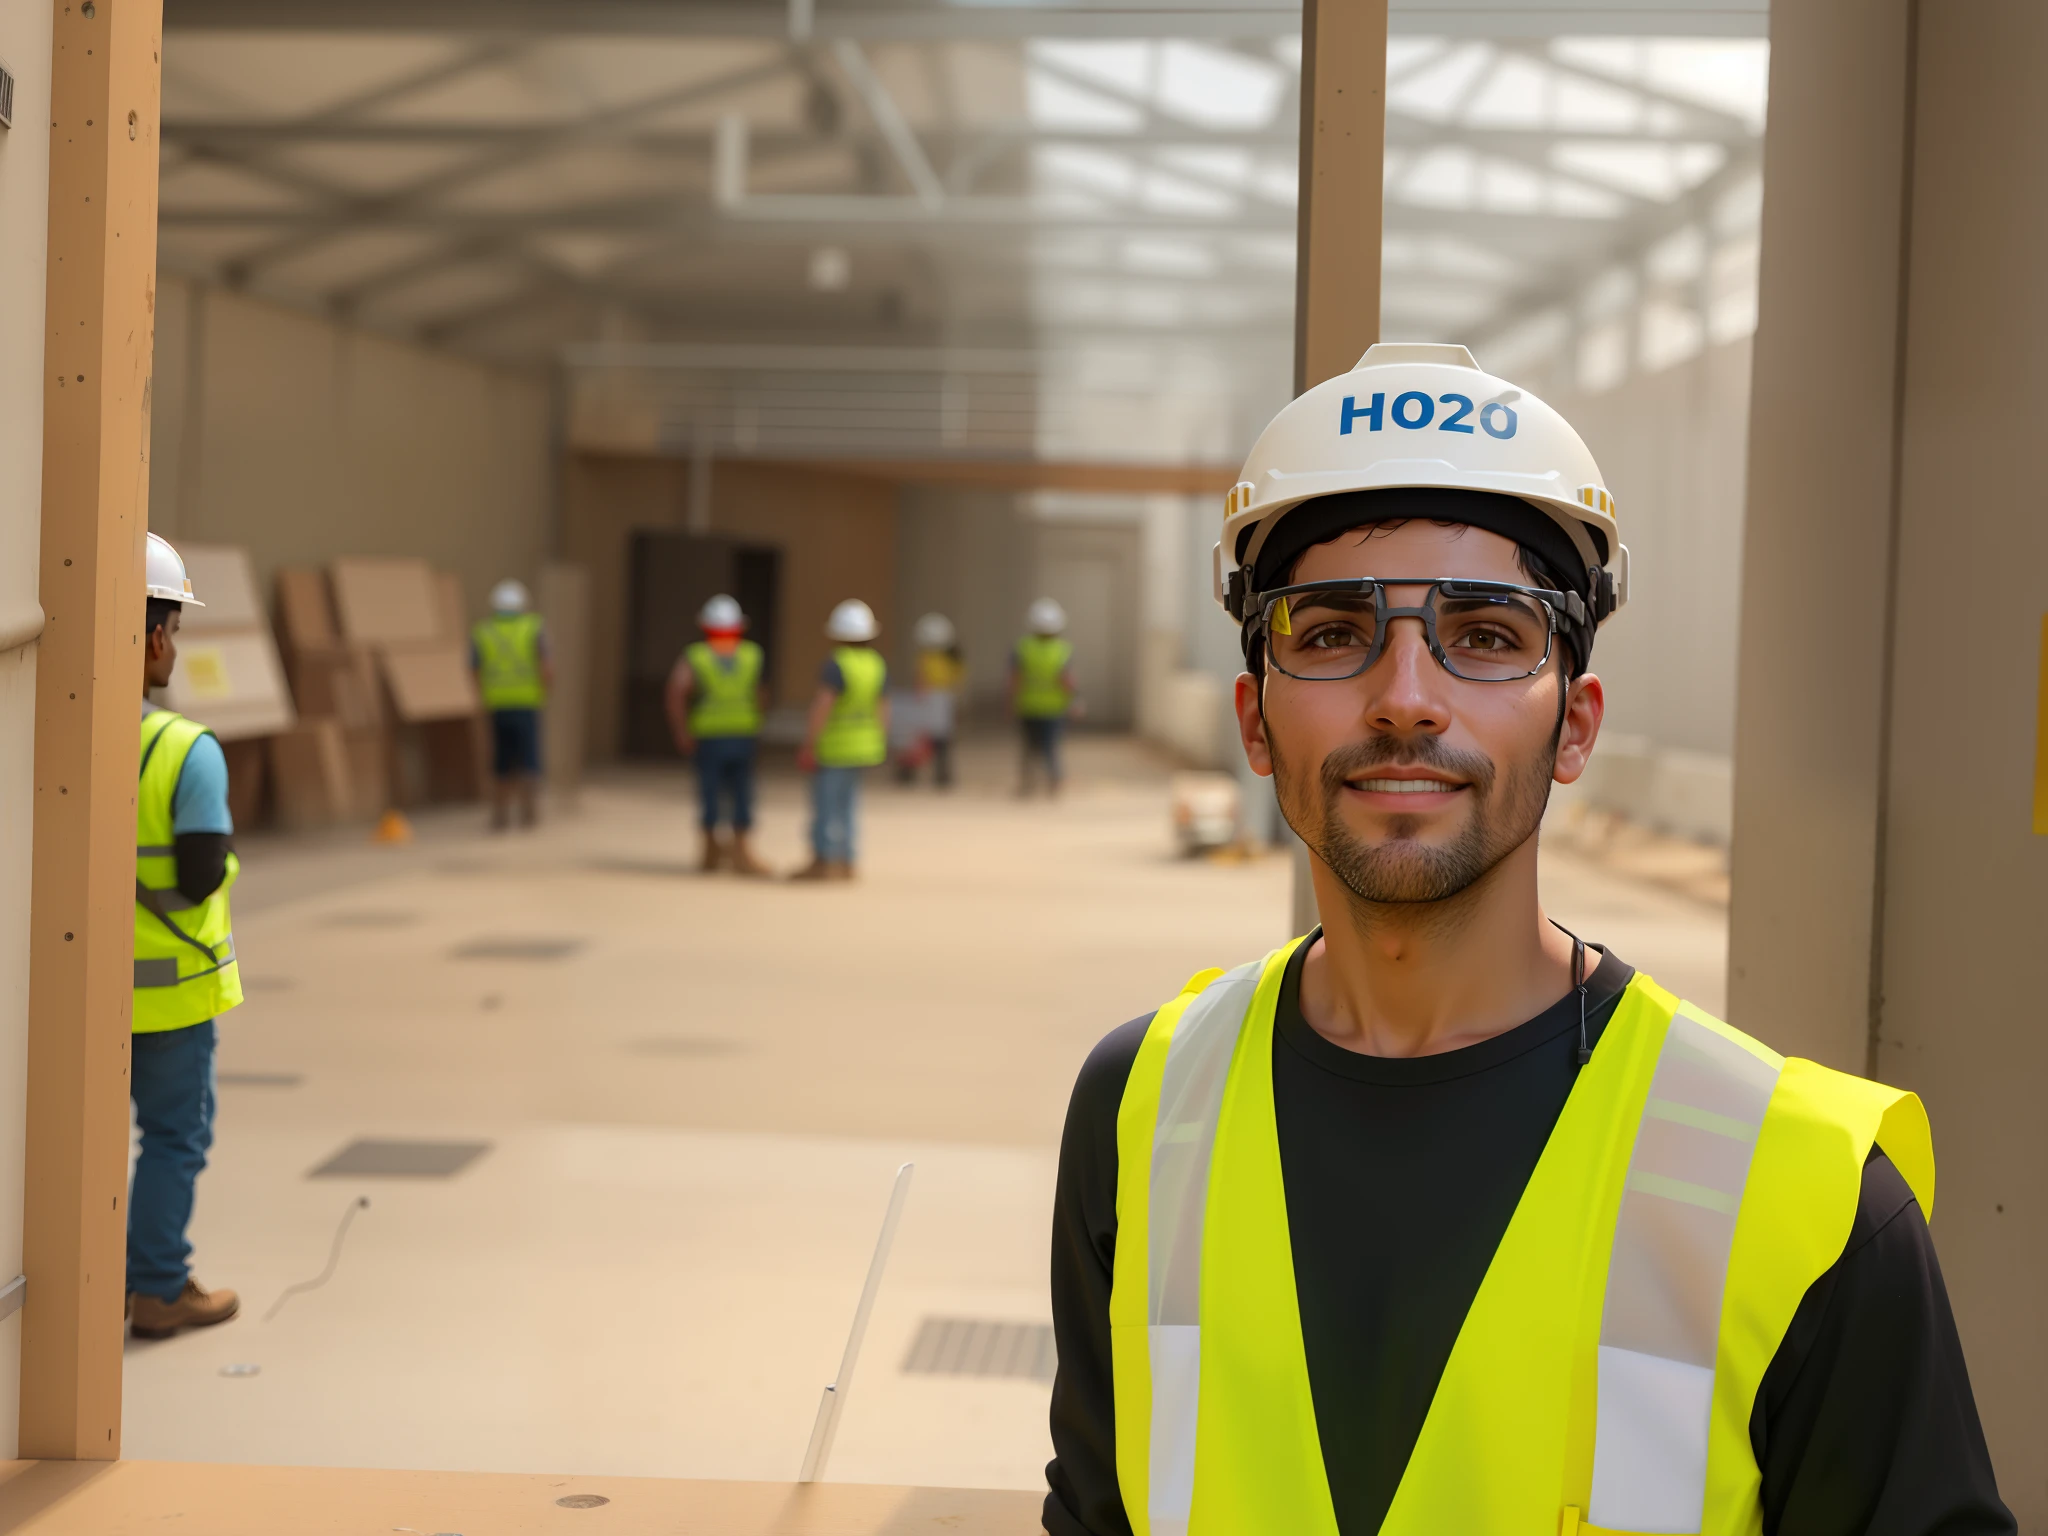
x: 185, y: 967
x: 727, y: 698
x: 1694, y: 1187
x: 1042, y: 692
x: 852, y: 737
x: 508, y: 661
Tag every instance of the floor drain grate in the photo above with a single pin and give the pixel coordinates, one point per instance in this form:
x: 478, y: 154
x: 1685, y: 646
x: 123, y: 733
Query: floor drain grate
x: 968, y: 1346
x: 518, y: 949
x: 365, y: 1158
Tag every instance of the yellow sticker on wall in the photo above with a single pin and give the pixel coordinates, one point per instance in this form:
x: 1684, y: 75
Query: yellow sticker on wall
x: 2041, y: 739
x: 206, y: 672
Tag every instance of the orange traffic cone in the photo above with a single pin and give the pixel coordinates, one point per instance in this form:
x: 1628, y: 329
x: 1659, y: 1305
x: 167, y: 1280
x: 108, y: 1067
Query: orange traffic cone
x: 392, y: 827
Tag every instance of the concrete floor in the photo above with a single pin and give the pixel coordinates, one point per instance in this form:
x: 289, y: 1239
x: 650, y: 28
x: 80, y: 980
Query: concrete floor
x: 695, y: 1093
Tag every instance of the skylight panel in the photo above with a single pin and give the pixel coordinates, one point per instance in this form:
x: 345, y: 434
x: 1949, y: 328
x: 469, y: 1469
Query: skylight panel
x: 1220, y: 163
x: 1075, y: 167
x: 1166, y: 193
x: 1433, y: 91
x: 1583, y: 103
x: 1517, y: 94
x: 1200, y: 83
x: 1126, y: 68
x: 1659, y: 172
x: 1053, y: 102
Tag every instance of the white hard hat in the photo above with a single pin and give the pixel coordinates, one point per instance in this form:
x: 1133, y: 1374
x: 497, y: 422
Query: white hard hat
x: 934, y: 632
x: 721, y: 612
x: 1046, y: 617
x: 509, y: 597
x: 163, y: 572
x: 1421, y: 415
x: 851, y: 622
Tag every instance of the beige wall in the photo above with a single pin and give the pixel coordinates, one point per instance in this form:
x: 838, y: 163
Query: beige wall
x: 1889, y: 887
x: 1672, y: 446
x: 24, y: 204
x: 301, y: 440
x: 837, y: 534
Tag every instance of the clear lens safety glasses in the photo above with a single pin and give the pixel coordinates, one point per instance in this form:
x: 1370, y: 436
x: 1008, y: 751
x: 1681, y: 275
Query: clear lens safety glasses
x: 1483, y: 631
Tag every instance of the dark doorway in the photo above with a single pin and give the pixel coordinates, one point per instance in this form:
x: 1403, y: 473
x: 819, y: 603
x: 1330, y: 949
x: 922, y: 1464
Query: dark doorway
x: 668, y: 577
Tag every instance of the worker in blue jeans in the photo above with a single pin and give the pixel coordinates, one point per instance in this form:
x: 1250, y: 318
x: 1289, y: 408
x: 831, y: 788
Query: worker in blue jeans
x: 185, y: 973
x: 847, y: 734
x: 716, y: 698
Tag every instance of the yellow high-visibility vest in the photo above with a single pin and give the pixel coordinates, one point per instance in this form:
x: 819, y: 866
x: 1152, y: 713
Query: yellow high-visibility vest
x: 508, y: 661
x: 727, y: 698
x: 1042, y: 692
x: 185, y: 971
x: 853, y: 737
x: 1696, y: 1184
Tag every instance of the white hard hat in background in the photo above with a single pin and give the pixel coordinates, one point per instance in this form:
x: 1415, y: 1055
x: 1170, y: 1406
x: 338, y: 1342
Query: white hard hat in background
x: 721, y: 612
x: 163, y: 572
x: 1046, y: 617
x: 509, y: 597
x: 1413, y: 414
x: 852, y: 622
x: 934, y: 632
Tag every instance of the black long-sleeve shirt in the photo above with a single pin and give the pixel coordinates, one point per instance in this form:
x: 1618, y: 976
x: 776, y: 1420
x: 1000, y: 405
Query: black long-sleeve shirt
x: 1402, y: 1175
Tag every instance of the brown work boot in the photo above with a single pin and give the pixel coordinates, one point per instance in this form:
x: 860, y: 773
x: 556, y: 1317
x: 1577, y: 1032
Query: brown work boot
x: 741, y: 857
x: 839, y: 869
x: 196, y: 1307
x: 817, y: 869
x: 714, y: 856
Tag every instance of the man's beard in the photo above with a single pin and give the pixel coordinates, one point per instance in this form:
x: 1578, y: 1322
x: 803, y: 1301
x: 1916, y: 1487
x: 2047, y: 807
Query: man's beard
x: 1403, y: 870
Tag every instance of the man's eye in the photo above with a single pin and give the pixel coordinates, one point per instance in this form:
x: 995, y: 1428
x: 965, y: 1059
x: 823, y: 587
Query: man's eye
x: 1330, y: 637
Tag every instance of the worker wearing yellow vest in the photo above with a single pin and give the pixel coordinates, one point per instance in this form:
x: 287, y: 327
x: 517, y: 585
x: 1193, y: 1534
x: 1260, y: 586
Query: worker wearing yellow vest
x: 716, y: 696
x: 509, y: 652
x: 1042, y: 694
x: 1437, y: 1221
x: 847, y: 733
x: 185, y: 972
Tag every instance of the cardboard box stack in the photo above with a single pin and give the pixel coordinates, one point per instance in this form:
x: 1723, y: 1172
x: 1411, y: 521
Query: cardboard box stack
x: 378, y: 651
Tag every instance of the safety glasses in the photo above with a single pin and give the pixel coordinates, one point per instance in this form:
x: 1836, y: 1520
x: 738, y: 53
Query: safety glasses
x: 1482, y: 631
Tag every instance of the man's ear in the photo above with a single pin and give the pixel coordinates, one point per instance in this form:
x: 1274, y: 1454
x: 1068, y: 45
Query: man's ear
x: 1585, y: 705
x: 1251, y: 726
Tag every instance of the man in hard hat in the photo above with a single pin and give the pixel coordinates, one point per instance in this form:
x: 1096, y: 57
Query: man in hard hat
x: 716, y: 697
x: 847, y: 732
x: 1042, y: 694
x: 1437, y: 1220
x: 940, y: 673
x: 509, y: 651
x: 185, y: 972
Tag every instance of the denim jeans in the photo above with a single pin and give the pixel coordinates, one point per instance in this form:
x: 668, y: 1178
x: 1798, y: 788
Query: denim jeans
x: 835, y: 793
x: 1042, y: 745
x: 725, y: 772
x: 171, y: 1078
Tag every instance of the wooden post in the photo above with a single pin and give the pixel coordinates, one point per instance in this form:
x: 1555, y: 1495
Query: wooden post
x: 1343, y: 173
x: 1337, y: 238
x: 106, y: 73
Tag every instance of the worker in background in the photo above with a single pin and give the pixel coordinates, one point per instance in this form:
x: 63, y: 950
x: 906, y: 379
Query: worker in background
x: 846, y: 733
x: 1042, y: 694
x: 509, y: 652
x: 716, y: 697
x: 185, y: 972
x: 1437, y: 1219
x: 940, y: 672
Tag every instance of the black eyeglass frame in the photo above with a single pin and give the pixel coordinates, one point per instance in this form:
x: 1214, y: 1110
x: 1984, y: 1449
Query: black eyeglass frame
x: 1569, y: 605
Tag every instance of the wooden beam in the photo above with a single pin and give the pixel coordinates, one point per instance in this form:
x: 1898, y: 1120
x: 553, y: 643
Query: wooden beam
x: 104, y: 95
x: 1343, y: 154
